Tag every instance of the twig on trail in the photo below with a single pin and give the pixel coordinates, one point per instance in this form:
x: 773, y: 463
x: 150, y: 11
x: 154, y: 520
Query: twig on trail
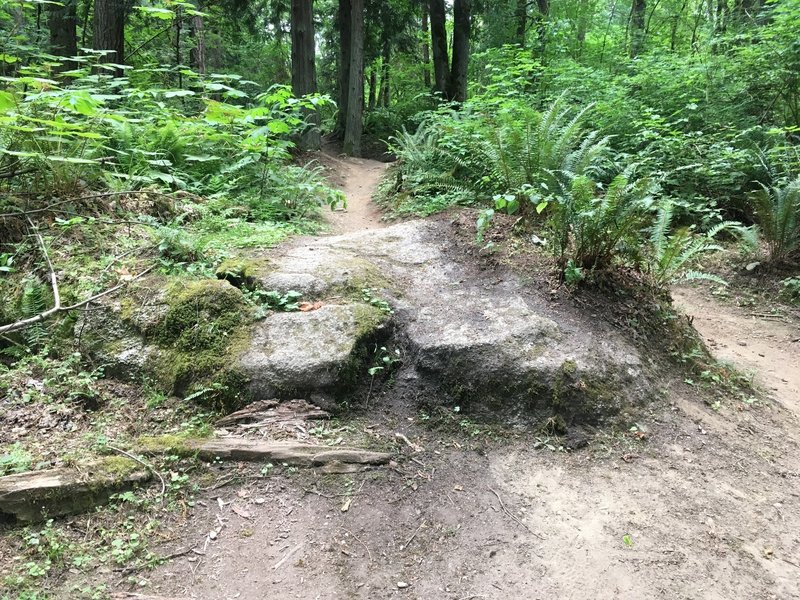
x: 356, y: 538
x: 473, y: 597
x: 287, y: 557
x: 144, y: 464
x: 411, y: 539
x: 513, y: 516
x: 412, y: 445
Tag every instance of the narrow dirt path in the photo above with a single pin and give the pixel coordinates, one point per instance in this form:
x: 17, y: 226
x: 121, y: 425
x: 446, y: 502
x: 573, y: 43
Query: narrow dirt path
x: 764, y: 346
x: 359, y: 178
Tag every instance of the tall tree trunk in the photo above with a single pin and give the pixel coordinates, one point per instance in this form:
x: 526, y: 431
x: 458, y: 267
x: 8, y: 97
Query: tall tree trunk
x: 197, y: 55
x: 462, y: 24
x: 304, y: 68
x: 354, y: 123
x: 178, y: 30
x: 109, y: 30
x: 542, y: 18
x: 676, y: 21
x: 638, y: 15
x: 441, y: 68
x: 721, y: 17
x: 522, y: 21
x: 426, y: 47
x: 344, y: 23
x: 385, y: 93
x: 62, y: 22
x: 373, y: 85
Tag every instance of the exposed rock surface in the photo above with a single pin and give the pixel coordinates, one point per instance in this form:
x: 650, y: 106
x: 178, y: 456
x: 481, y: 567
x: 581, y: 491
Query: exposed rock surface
x: 476, y: 340
x: 297, y: 353
x: 486, y: 344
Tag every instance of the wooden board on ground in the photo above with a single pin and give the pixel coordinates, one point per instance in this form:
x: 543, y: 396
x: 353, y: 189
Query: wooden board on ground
x: 38, y: 495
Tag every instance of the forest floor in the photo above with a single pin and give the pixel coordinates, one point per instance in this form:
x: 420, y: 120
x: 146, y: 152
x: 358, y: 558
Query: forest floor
x: 703, y: 503
x: 701, y: 499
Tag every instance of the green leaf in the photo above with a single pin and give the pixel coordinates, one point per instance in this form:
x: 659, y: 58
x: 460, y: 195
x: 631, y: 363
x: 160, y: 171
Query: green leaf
x: 73, y: 160
x: 7, y: 101
x: 627, y: 540
x: 541, y: 206
x: 178, y: 93
x: 278, y: 127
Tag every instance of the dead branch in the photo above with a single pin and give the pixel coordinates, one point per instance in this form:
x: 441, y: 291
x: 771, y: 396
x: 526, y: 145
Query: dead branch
x: 24, y: 323
x: 49, y: 207
x: 144, y: 464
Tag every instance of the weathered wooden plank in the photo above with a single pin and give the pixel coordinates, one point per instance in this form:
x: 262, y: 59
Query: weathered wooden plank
x: 38, y: 495
x: 295, y: 454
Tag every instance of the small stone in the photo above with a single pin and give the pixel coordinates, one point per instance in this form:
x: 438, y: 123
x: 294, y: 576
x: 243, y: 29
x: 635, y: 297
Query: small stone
x: 403, y: 585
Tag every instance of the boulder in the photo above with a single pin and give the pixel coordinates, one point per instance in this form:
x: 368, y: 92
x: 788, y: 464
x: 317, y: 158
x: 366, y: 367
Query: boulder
x: 308, y: 353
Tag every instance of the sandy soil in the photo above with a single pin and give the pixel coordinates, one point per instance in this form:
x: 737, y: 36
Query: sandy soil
x: 760, y: 343
x: 357, y: 178
x: 700, y: 503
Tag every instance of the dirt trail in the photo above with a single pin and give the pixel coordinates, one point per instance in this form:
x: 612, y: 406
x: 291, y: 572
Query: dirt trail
x: 359, y: 177
x: 707, y: 506
x: 767, y: 348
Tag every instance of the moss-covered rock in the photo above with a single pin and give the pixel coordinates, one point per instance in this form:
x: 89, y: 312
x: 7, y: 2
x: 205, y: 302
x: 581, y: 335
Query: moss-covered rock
x: 186, y: 336
x: 241, y: 272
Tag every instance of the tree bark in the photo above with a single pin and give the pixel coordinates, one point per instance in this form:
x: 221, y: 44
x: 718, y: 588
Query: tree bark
x: 197, y: 55
x: 384, y: 98
x: 354, y: 123
x: 344, y: 24
x: 426, y: 48
x: 542, y: 18
x: 522, y: 21
x: 304, y: 68
x: 109, y: 30
x: 441, y: 61
x: 638, y: 15
x: 462, y: 24
x: 62, y: 22
x: 373, y: 85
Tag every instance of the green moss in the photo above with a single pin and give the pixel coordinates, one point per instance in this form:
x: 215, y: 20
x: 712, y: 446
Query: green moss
x: 241, y: 272
x: 179, y: 444
x: 116, y: 467
x: 202, y: 315
x: 569, y: 367
x: 205, y: 328
x: 368, y: 319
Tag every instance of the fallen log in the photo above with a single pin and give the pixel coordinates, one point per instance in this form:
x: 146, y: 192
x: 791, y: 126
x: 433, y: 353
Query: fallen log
x: 39, y: 495
x: 290, y: 453
x: 267, y: 412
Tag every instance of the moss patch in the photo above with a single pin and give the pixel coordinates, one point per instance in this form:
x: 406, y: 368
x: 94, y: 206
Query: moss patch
x: 161, y: 444
x: 241, y: 272
x: 204, y: 330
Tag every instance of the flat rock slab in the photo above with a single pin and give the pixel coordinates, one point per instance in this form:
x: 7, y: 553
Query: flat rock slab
x: 38, y: 495
x: 480, y: 340
x: 298, y: 353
